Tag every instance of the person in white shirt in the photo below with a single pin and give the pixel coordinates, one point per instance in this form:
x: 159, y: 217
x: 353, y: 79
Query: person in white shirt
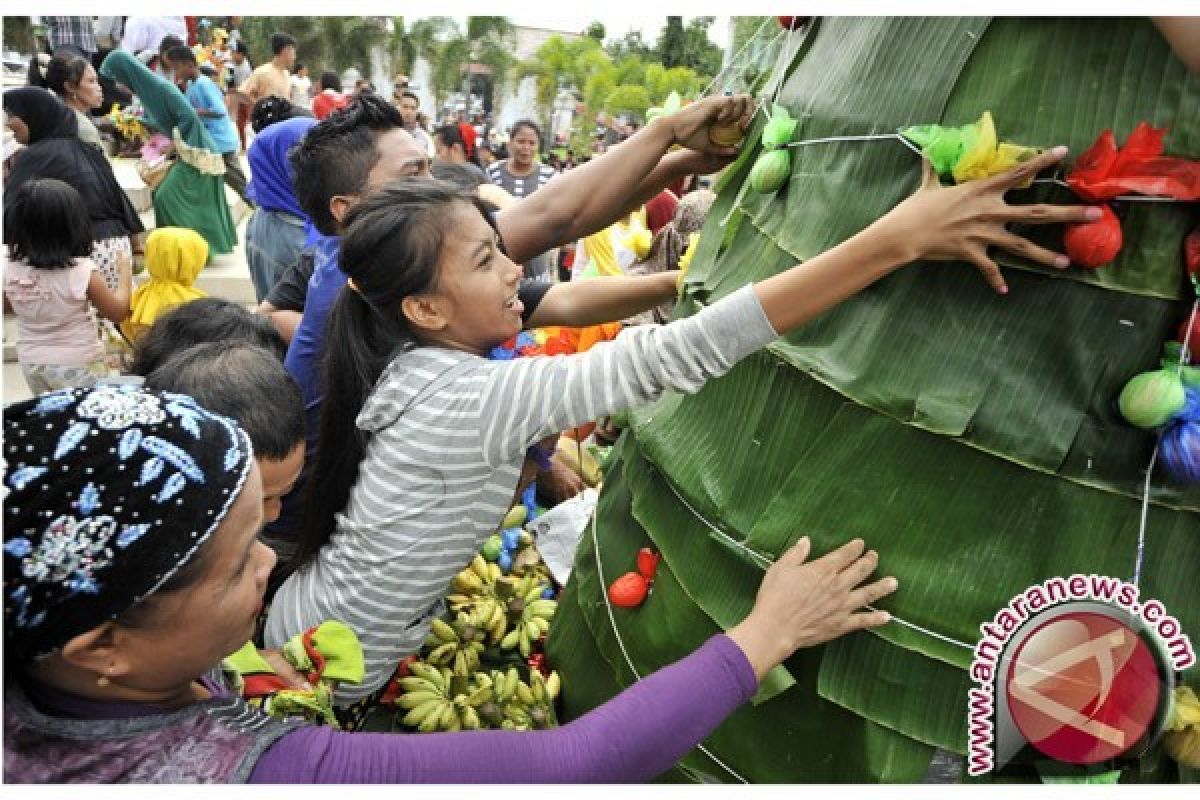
x: 301, y: 86
x: 146, y: 33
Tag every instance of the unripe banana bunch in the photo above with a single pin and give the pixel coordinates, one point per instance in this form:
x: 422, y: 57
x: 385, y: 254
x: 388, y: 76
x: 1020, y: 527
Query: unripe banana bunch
x: 434, y: 705
x: 531, y: 705
x: 457, y: 646
x: 425, y: 697
x: 531, y: 615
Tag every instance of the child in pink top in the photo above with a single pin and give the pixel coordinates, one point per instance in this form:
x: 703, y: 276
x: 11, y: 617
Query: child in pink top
x: 49, y: 281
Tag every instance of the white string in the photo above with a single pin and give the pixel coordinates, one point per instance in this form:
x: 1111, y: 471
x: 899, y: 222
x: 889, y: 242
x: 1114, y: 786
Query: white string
x: 1141, y: 545
x: 733, y: 62
x: 1124, y: 198
x: 767, y: 561
x: 1184, y: 357
x: 621, y: 644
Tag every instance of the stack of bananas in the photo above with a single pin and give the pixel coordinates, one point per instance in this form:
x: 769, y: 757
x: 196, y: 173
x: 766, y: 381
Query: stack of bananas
x: 528, y: 611
x: 457, y: 646
x: 436, y: 700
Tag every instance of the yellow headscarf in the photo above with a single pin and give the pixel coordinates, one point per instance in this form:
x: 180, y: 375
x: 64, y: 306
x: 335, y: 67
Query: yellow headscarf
x: 174, y: 258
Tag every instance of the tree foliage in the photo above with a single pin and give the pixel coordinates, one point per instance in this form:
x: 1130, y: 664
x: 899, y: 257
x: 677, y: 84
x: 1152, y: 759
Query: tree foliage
x: 18, y: 34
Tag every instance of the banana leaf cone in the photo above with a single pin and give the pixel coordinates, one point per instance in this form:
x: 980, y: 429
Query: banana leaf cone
x: 972, y: 439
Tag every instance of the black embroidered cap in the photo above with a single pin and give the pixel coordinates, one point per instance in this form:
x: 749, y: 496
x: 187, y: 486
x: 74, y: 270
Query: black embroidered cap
x: 109, y: 491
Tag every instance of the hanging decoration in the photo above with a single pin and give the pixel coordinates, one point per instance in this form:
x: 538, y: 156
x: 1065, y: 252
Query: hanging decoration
x: 774, y: 164
x: 968, y: 152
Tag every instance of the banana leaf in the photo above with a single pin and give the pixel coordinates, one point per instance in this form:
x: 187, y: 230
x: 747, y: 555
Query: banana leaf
x: 972, y: 439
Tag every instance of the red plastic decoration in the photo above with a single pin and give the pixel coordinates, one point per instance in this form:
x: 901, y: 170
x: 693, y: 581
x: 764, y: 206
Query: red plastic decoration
x: 1104, y: 171
x: 628, y: 591
x: 1094, y: 244
x: 1193, y: 344
x: 1191, y: 253
x: 647, y: 563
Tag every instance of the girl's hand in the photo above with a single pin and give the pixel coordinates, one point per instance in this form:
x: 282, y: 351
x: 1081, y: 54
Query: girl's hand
x: 805, y: 603
x: 960, y: 223
x: 690, y: 125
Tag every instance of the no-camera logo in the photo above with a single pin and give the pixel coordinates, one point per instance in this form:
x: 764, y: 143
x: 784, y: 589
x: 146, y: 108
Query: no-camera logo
x: 1079, y: 681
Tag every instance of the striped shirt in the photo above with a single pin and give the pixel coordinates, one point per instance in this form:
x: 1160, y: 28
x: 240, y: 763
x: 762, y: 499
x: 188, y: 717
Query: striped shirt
x: 540, y: 267
x: 448, y: 434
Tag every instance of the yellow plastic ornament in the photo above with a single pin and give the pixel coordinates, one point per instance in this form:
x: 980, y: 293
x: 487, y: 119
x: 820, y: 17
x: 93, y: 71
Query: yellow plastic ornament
x: 985, y: 155
x: 685, y: 260
x: 1181, y: 739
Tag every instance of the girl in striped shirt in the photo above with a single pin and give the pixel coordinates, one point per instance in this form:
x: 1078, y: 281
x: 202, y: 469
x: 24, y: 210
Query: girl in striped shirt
x: 422, y: 437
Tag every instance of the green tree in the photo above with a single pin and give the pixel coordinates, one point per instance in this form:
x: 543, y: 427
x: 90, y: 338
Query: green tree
x: 699, y: 52
x: 18, y: 34
x: 672, y: 43
x: 596, y: 31
x: 334, y: 43
x: 627, y: 99
x: 631, y: 44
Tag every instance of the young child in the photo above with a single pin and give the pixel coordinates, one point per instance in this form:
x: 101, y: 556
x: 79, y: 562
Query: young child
x: 422, y: 437
x: 210, y: 319
x: 49, y: 281
x: 174, y: 258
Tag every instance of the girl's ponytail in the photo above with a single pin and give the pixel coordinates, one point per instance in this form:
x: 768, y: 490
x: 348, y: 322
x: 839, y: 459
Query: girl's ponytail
x: 391, y: 249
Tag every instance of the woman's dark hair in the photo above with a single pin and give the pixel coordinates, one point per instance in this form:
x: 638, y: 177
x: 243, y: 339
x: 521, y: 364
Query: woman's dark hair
x: 450, y: 135
x: 67, y: 65
x: 242, y: 381
x: 337, y: 154
x: 209, y: 319
x: 46, y: 224
x: 330, y: 80
x: 391, y: 248
x: 526, y: 123
x: 272, y: 109
x: 461, y: 175
x: 280, y: 41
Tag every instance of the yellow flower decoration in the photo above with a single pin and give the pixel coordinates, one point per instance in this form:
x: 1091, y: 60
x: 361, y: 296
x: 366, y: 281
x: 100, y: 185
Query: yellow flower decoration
x: 983, y: 155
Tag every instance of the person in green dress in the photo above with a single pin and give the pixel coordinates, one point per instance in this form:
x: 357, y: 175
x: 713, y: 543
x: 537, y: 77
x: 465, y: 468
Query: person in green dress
x: 192, y: 195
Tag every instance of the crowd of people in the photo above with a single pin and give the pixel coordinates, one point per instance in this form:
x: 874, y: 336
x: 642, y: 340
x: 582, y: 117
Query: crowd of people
x: 342, y: 451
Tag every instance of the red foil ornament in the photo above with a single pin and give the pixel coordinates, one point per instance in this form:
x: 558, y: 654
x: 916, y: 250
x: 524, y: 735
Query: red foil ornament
x: 1103, y: 171
x: 647, y: 563
x: 1191, y: 253
x: 1094, y: 244
x: 628, y: 591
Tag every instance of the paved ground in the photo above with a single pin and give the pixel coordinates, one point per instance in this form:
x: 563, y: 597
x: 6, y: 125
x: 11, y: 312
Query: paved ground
x: 227, y: 276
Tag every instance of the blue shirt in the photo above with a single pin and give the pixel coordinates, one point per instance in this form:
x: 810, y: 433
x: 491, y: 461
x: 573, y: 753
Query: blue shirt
x: 203, y: 93
x: 303, y: 359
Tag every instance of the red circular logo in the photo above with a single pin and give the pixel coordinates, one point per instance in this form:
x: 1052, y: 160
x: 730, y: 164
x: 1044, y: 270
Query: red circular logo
x: 1083, y: 688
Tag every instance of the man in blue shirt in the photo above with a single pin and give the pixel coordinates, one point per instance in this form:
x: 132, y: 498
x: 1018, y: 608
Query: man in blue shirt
x: 209, y: 101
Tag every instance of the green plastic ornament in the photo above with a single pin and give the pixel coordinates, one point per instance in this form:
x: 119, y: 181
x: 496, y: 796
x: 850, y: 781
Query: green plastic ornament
x: 1152, y: 398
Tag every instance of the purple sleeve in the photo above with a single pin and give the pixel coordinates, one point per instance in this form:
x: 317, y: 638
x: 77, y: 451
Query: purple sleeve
x: 634, y: 737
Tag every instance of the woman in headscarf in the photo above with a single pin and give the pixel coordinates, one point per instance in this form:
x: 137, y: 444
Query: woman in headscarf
x: 192, y: 195
x: 277, y: 232
x: 49, y: 129
x: 132, y: 568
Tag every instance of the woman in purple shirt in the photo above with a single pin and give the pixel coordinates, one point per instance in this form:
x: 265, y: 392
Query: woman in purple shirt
x: 132, y: 567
